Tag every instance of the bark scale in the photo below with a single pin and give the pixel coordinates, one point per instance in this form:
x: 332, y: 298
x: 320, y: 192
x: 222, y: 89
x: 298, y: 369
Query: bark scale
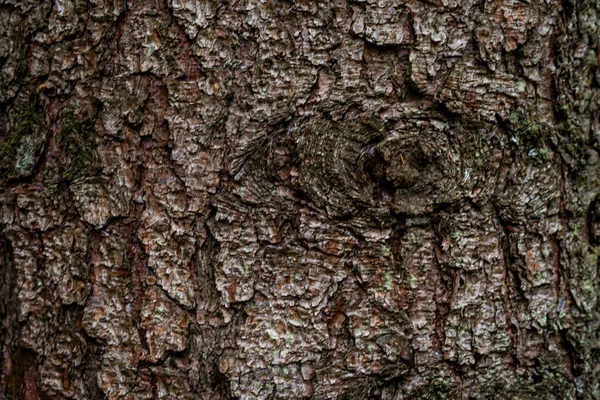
x: 339, y: 199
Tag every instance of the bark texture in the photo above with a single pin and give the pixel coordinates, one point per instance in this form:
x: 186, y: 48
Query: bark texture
x: 259, y: 199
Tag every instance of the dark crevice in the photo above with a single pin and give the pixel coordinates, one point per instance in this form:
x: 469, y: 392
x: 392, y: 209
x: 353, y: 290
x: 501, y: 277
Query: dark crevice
x: 442, y: 109
x: 12, y: 379
x: 571, y: 352
x: 592, y: 222
x: 395, y: 240
x: 91, y: 365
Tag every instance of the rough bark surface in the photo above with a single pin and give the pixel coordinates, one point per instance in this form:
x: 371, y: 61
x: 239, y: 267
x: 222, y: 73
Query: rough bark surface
x: 259, y: 199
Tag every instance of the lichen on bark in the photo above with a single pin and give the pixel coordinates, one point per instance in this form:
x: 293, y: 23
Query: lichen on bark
x: 327, y: 199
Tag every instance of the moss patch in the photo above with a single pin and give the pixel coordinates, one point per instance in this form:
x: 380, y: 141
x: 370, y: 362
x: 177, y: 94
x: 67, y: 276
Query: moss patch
x: 523, y: 130
x: 527, y: 135
x: 77, y: 142
x: 26, y: 124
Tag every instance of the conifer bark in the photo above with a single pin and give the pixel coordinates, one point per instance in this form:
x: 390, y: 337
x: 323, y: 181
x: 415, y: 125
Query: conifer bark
x: 259, y: 199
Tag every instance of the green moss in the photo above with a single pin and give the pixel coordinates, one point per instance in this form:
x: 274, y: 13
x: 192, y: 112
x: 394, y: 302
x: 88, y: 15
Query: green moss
x: 553, y: 376
x: 526, y: 134
x: 25, y: 124
x: 438, y: 388
x: 523, y: 130
x: 77, y: 141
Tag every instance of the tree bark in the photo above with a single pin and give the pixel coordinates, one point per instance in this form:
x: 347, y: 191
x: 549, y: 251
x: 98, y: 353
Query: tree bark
x: 393, y: 199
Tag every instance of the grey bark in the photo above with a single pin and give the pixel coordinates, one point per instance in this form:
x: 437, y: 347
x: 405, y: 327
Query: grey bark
x: 393, y: 199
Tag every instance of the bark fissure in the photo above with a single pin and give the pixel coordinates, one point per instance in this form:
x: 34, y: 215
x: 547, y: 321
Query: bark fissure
x: 304, y: 199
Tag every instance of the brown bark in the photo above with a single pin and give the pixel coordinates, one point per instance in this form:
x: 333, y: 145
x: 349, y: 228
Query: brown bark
x: 299, y: 199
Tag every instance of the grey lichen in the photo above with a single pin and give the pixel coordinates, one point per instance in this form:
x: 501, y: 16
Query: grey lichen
x: 254, y: 234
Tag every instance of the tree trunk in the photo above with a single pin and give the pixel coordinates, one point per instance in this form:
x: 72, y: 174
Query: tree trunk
x: 393, y: 199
